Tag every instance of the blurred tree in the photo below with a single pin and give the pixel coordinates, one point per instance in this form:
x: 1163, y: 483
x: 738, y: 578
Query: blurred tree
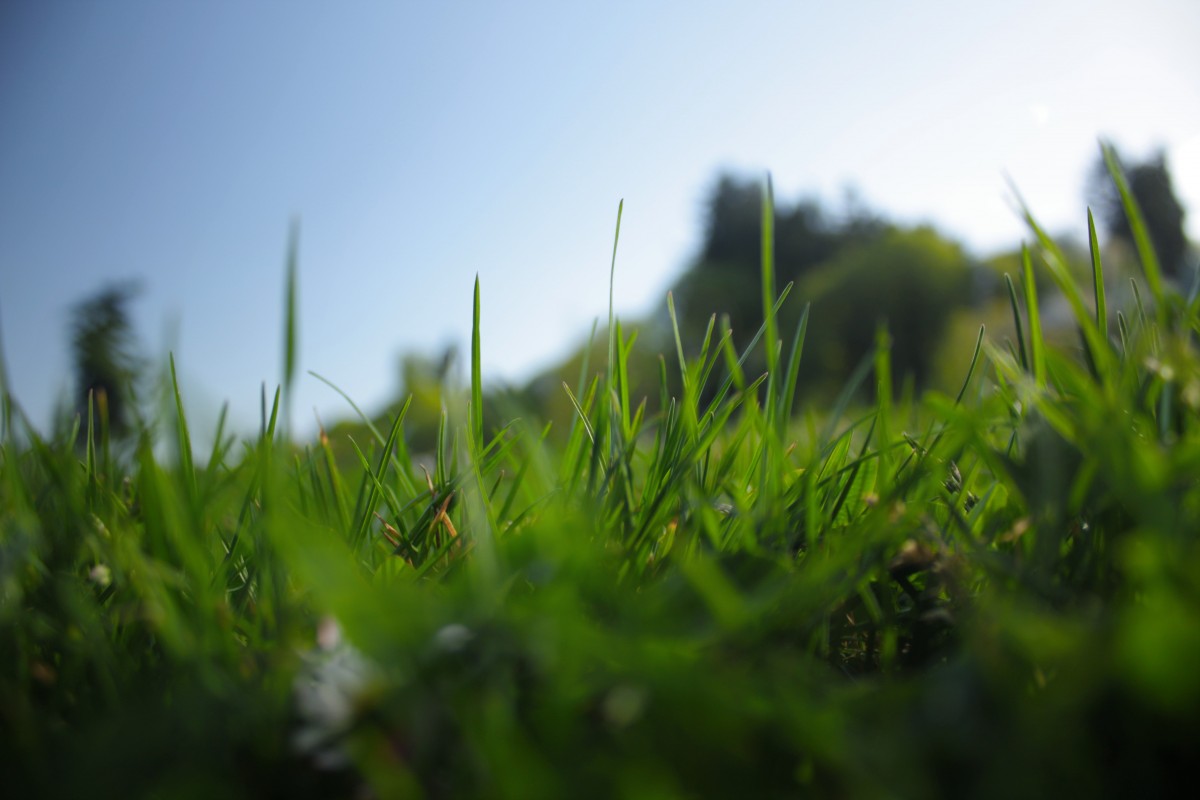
x: 1150, y: 182
x: 725, y: 276
x: 913, y: 280
x: 853, y: 265
x: 427, y: 379
x: 106, y: 365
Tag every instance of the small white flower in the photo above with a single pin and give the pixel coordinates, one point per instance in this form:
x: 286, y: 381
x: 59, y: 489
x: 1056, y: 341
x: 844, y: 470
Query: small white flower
x: 327, y: 691
x: 453, y: 638
x: 100, y: 575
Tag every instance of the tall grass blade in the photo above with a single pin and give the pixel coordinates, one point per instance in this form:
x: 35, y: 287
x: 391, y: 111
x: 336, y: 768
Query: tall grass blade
x: 683, y: 372
x: 1123, y: 330
x: 476, y: 377
x: 367, y: 513
x: 185, y: 439
x: 971, y: 369
x: 846, y: 396
x: 735, y: 371
x: 1037, y: 342
x: 883, y: 395
x: 612, y: 420
x: 1018, y: 325
x: 768, y: 274
x: 622, y: 378
x: 793, y: 371
x: 273, y: 419
x: 1097, y: 279
x: 5, y: 395
x: 612, y: 277
x: 581, y: 384
x: 1137, y: 225
x: 90, y: 445
x: 587, y: 426
x: 290, y: 322
x: 1057, y: 263
x: 363, y: 418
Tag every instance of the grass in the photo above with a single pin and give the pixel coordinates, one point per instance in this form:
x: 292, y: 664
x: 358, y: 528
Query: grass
x: 981, y: 595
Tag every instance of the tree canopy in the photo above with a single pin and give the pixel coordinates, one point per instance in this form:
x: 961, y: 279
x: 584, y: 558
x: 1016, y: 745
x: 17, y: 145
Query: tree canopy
x: 1151, y: 185
x: 103, y: 348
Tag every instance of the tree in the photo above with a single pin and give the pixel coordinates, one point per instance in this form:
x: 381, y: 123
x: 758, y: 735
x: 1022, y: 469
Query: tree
x: 912, y: 280
x: 725, y: 276
x: 1151, y: 185
x: 106, y: 365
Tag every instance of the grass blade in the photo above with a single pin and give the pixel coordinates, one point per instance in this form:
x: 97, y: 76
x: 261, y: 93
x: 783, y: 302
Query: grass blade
x: 366, y: 421
x: 1017, y: 324
x: 612, y: 276
x: 1097, y: 279
x: 768, y: 274
x: 185, y: 439
x: 5, y: 396
x: 1037, y: 343
x: 476, y: 377
x: 290, y: 323
x: 678, y: 340
x: 793, y: 371
x: 1137, y: 225
x: 971, y: 369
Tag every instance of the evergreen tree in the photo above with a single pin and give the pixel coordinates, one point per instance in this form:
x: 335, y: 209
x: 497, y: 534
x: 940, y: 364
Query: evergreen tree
x: 106, y: 366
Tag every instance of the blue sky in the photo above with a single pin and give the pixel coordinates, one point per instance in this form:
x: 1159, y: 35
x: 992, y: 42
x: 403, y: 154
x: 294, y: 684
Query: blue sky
x: 422, y: 143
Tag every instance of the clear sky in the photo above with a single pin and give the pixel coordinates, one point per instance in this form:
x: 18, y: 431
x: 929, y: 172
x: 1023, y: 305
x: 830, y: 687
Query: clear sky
x: 422, y: 143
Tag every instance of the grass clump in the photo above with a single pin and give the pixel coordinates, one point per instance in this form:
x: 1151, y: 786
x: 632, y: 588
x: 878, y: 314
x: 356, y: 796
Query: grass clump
x: 988, y: 594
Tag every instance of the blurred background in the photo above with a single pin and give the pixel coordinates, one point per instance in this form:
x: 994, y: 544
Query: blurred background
x: 154, y: 156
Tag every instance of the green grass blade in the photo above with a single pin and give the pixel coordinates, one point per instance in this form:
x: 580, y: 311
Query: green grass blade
x: 1123, y: 330
x: 1140, y: 305
x: 476, y: 377
x: 367, y: 513
x: 883, y: 394
x: 971, y: 369
x: 612, y: 276
x: 1097, y: 279
x: 591, y: 434
x: 768, y: 274
x: 622, y: 378
x: 273, y: 420
x: 290, y: 322
x: 733, y: 364
x: 358, y: 411
x: 793, y: 371
x: 5, y: 396
x: 612, y: 420
x: 185, y: 439
x: 1056, y: 262
x: 678, y: 340
x: 846, y: 395
x: 1137, y: 225
x: 581, y: 385
x: 220, y: 444
x: 736, y: 371
x: 1018, y: 325
x: 1037, y: 343
x: 90, y: 445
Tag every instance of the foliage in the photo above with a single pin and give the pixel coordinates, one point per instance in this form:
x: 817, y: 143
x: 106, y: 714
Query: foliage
x: 818, y: 251
x: 910, y: 280
x: 723, y: 279
x: 991, y: 593
x: 106, y: 365
x: 1152, y: 188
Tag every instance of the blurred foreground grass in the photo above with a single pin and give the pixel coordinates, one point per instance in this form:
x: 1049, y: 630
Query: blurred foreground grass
x: 991, y: 594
